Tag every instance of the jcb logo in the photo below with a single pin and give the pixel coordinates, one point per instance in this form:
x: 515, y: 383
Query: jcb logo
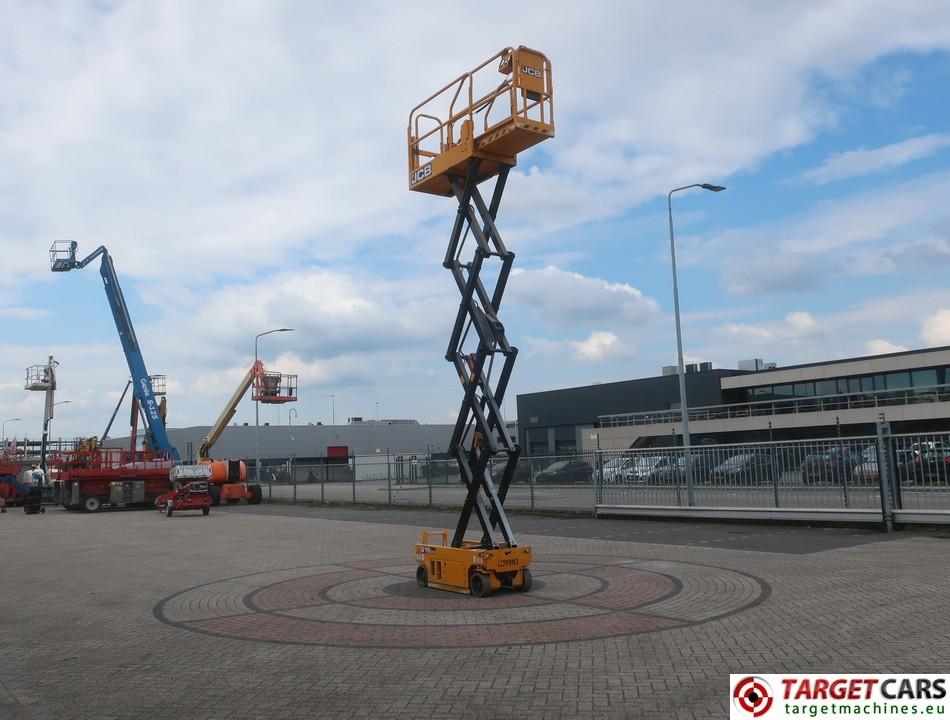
x: 420, y: 174
x: 533, y: 72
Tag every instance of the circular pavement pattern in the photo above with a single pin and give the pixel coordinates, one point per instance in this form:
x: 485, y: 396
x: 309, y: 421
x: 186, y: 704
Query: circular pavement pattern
x: 377, y: 603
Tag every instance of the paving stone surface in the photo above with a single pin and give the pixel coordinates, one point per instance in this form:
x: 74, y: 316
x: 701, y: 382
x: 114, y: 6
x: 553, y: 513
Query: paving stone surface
x: 272, y: 614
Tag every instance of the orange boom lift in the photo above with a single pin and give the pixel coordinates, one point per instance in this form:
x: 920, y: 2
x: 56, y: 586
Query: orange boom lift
x: 468, y: 132
x: 227, y: 479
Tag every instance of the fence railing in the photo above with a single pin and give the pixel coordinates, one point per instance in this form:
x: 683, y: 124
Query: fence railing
x: 880, y: 477
x: 818, y: 403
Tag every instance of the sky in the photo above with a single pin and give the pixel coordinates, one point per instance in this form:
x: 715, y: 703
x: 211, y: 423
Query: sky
x: 245, y: 165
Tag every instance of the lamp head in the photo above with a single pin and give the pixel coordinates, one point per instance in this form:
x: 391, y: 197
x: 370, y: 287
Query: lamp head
x: 712, y: 188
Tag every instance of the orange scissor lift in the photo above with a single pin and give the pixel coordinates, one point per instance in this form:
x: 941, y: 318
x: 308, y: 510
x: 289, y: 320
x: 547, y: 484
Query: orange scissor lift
x: 469, y: 131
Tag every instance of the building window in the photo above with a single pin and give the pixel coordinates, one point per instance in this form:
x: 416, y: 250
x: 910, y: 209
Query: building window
x: 782, y: 392
x: 805, y: 389
x: 867, y: 383
x: 854, y: 385
x: 898, y: 380
x: 826, y: 387
x: 924, y: 378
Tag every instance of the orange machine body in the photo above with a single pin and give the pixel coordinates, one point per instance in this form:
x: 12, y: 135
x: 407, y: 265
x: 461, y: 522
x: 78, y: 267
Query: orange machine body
x: 452, y: 568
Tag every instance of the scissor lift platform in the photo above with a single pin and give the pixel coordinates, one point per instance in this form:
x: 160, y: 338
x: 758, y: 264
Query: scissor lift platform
x: 459, y: 122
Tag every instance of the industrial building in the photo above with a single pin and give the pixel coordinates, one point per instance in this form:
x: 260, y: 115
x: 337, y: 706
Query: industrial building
x: 305, y: 443
x: 756, y: 401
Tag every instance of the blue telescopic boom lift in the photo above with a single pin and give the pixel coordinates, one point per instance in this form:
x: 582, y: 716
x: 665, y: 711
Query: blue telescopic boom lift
x: 63, y: 259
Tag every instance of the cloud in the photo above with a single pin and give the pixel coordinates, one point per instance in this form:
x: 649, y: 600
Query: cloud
x: 598, y: 346
x: 882, y: 347
x: 564, y: 299
x: 936, y: 328
x: 246, y: 166
x: 796, y: 327
x: 888, y: 230
x: 855, y: 163
x: 22, y: 313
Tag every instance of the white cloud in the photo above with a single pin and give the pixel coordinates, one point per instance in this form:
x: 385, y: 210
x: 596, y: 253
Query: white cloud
x: 936, y: 328
x: 854, y: 163
x: 22, y: 313
x: 796, y: 327
x: 882, y: 347
x: 562, y: 299
x: 598, y: 346
x: 245, y: 165
x: 889, y: 230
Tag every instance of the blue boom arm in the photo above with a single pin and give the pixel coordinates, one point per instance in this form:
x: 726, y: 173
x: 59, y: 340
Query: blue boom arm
x: 141, y: 383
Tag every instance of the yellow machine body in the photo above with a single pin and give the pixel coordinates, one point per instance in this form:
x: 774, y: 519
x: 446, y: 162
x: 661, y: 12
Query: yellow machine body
x: 471, y: 117
x: 451, y: 568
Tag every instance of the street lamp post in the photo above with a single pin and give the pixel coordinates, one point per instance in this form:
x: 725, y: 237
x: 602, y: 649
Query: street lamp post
x: 684, y: 412
x: 3, y: 427
x: 332, y: 409
x: 257, y: 418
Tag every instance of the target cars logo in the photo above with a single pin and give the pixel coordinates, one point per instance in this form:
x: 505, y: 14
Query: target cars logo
x: 817, y: 696
x: 752, y: 695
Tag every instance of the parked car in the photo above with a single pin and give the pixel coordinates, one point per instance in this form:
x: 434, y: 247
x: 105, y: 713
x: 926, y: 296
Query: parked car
x: 745, y: 468
x: 672, y: 469
x: 931, y: 466
x: 566, y: 471
x: 867, y: 472
x: 522, y: 472
x: 618, y: 469
x: 649, y: 468
x: 835, y: 465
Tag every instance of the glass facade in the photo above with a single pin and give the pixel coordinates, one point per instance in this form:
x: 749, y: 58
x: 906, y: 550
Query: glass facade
x: 901, y: 380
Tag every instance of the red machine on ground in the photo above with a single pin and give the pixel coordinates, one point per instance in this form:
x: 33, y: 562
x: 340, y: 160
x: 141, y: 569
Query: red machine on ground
x: 193, y: 496
x: 11, y: 490
x: 91, y: 477
x: 228, y: 478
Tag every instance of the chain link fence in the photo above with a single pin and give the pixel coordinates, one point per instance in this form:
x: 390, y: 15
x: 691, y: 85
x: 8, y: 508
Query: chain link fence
x: 883, y: 477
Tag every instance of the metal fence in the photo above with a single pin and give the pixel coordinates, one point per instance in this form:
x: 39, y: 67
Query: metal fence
x: 880, y: 478
x: 419, y: 480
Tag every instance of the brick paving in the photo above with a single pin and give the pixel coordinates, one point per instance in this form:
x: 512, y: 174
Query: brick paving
x: 267, y: 615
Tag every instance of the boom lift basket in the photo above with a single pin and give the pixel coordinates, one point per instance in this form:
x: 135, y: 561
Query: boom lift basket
x: 38, y: 378
x: 62, y: 256
x: 274, y: 388
x: 158, y: 384
x: 473, y: 117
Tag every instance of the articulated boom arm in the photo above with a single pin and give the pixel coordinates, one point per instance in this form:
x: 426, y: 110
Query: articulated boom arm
x: 225, y: 417
x: 63, y: 260
x: 269, y: 388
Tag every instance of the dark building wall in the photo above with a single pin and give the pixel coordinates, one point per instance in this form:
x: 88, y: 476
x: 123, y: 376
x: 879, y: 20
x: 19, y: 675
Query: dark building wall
x: 551, y: 418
